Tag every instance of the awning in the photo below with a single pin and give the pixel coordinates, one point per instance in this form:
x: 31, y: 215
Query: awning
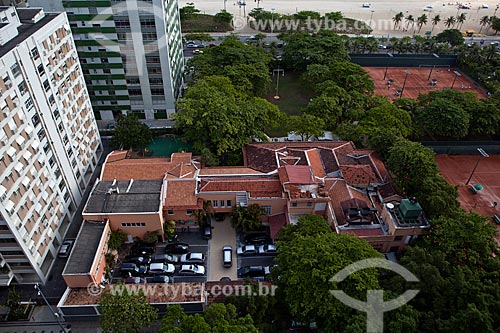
x: 19, y: 167
x: 20, y: 140
x: 11, y: 151
x: 25, y: 181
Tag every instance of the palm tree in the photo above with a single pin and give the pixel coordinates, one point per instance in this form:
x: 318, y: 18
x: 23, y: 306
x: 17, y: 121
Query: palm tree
x: 421, y: 20
x: 409, y: 19
x: 450, y: 22
x: 461, y: 19
x: 435, y: 20
x: 397, y: 19
x: 483, y: 22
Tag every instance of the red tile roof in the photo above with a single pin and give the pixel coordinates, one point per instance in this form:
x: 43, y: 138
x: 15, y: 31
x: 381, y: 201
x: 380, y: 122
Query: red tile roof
x: 181, y: 194
x: 276, y: 223
x: 315, y: 163
x: 338, y: 192
x: 358, y: 175
x: 259, y: 187
x: 136, y: 168
x: 363, y: 232
x: 296, y: 174
x: 228, y: 171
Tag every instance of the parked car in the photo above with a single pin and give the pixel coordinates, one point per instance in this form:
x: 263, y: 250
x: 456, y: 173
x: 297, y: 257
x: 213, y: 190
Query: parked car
x: 254, y: 272
x: 177, y: 248
x: 161, y: 279
x: 220, y: 217
x: 366, y: 5
x: 192, y: 270
x: 143, y: 248
x: 134, y: 280
x: 139, y: 260
x: 131, y: 269
x: 65, y: 249
x: 267, y: 249
x: 257, y: 238
x: 161, y: 269
x: 193, y: 258
x: 165, y: 259
x: 197, y: 51
x: 227, y: 256
x: 207, y: 232
x: 246, y: 250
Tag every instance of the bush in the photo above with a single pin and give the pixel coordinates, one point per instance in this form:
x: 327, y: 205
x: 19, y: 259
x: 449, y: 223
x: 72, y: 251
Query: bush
x: 116, y: 239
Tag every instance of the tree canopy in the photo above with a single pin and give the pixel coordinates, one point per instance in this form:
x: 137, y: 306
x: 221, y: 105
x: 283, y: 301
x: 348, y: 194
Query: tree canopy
x: 124, y: 312
x: 130, y: 133
x: 216, y: 116
x: 217, y: 318
x: 306, y: 125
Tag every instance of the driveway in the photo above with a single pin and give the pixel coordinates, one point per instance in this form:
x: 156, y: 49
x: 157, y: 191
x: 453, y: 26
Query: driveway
x: 222, y: 234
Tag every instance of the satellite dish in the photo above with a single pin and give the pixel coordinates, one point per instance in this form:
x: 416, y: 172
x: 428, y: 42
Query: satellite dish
x: 390, y: 206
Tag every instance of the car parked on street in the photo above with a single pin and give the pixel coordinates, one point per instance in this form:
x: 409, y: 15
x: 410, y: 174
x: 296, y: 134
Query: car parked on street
x: 193, y: 258
x: 161, y: 269
x: 134, y: 280
x: 65, y: 249
x: 138, y: 260
x: 267, y: 250
x: 207, y: 232
x: 143, y: 248
x: 192, y: 270
x: 246, y: 250
x: 255, y: 272
x: 227, y: 256
x: 131, y: 269
x: 165, y: 259
x: 160, y: 279
x: 257, y: 238
x: 177, y: 248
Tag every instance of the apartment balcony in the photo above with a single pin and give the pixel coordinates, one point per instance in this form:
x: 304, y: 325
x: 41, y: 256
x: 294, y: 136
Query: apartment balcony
x: 6, y: 276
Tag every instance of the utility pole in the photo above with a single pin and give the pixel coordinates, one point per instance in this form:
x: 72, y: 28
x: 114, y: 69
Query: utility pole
x: 56, y: 314
x: 483, y: 154
x: 404, y: 83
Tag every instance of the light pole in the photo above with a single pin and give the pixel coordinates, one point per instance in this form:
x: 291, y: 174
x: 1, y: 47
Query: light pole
x: 483, y: 154
x: 56, y: 315
x: 371, y: 16
x: 457, y: 74
x: 225, y: 5
x: 404, y: 83
x: 390, y: 55
x: 272, y: 20
x: 432, y: 68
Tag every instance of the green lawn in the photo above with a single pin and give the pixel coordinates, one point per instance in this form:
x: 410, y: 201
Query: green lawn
x: 204, y: 23
x: 294, y: 97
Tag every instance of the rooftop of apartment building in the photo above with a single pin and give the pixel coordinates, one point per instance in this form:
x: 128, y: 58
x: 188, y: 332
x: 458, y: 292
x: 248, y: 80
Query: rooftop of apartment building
x: 132, y: 196
x: 32, y: 20
x: 84, y: 250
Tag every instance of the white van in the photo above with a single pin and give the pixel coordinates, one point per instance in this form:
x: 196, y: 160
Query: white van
x: 227, y: 255
x: 160, y: 268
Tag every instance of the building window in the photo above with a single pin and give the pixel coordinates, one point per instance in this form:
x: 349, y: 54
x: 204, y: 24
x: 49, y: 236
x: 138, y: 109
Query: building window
x: 134, y: 224
x: 28, y: 103
x: 40, y: 69
x: 229, y: 204
x: 15, y: 69
x: 398, y: 238
x: 222, y: 203
x: 215, y: 203
x: 189, y: 212
x: 46, y: 85
x: 170, y: 212
x: 294, y: 204
x: 309, y: 204
x: 267, y: 210
x: 23, y: 89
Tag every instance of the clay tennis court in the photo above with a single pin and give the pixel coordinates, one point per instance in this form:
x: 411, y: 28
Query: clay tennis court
x: 457, y: 169
x: 417, y: 81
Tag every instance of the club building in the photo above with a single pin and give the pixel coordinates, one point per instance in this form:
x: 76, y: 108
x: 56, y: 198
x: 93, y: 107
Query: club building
x: 49, y: 143
x: 350, y: 188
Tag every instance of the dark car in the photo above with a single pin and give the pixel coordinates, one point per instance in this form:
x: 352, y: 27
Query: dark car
x: 207, y: 232
x: 134, y: 280
x: 161, y: 279
x: 177, y: 248
x: 143, y: 248
x: 220, y: 217
x: 131, y: 269
x: 65, y: 249
x: 257, y: 239
x: 258, y: 272
x: 165, y: 259
x: 139, y: 260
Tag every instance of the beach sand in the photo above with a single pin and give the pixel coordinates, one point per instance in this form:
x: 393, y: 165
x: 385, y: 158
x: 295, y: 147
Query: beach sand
x: 380, y: 12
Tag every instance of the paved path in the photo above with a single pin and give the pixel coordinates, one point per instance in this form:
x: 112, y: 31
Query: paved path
x: 223, y: 234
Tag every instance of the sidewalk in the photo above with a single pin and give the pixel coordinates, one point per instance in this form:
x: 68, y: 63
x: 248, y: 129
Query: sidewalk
x: 223, y: 234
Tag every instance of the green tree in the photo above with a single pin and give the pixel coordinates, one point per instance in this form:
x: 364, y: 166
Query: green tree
x: 306, y: 125
x: 397, y: 19
x: 326, y: 108
x: 218, y: 118
x: 435, y: 21
x: 13, y: 302
x: 484, y: 21
x: 460, y: 20
x: 452, y: 36
x: 188, y: 12
x: 388, y: 116
x: 223, y: 17
x: 116, y: 239
x: 304, y: 48
x: 124, y: 312
x: 130, y: 133
x: 442, y: 117
x: 306, y: 263
x: 450, y: 22
x: 334, y: 16
x: 485, y: 118
x: 217, y: 318
x: 411, y: 163
x: 247, y: 218
x: 421, y: 21
x: 495, y: 24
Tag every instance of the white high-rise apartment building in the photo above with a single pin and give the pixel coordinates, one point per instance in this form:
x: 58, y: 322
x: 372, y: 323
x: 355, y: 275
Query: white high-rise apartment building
x: 131, y: 53
x: 49, y: 142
